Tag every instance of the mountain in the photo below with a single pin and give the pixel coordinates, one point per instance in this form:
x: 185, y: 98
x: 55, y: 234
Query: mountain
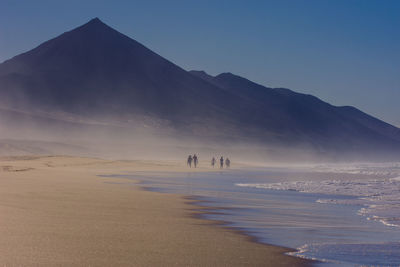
x: 309, y: 118
x: 93, y: 75
x: 94, y: 67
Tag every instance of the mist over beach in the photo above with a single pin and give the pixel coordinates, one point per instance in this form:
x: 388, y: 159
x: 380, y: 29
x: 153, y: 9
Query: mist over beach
x: 199, y: 134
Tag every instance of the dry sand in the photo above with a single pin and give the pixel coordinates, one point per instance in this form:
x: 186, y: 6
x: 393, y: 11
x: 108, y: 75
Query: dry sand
x: 56, y: 211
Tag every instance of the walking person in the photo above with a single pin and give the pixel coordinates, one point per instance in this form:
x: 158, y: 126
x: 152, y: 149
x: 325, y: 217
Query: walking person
x: 221, y: 162
x: 227, y: 162
x: 213, y: 162
x: 189, y: 161
x: 195, y: 160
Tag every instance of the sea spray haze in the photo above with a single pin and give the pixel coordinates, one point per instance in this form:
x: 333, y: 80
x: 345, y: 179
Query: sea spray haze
x: 97, y: 88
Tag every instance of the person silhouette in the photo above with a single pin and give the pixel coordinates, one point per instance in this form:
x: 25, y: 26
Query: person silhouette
x: 195, y: 160
x: 227, y: 162
x: 221, y: 162
x: 189, y: 161
x: 213, y: 162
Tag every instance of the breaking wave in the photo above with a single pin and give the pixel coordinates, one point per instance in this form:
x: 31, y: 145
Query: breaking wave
x: 379, y: 198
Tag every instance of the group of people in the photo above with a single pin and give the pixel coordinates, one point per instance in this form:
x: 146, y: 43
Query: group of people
x: 221, y: 162
x: 195, y: 160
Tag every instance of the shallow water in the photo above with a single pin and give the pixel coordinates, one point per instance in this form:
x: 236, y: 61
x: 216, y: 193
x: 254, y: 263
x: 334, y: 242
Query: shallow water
x: 339, y: 217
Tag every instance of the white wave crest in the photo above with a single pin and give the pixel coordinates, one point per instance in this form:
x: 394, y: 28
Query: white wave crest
x: 380, y: 197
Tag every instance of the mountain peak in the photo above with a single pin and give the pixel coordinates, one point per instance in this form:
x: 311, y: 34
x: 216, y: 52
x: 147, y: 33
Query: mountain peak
x: 95, y: 20
x: 94, y: 23
x: 227, y: 75
x: 199, y: 72
x: 230, y: 77
x: 202, y: 74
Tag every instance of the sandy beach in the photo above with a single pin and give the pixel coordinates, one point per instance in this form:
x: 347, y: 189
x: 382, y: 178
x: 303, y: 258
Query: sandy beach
x: 57, y: 211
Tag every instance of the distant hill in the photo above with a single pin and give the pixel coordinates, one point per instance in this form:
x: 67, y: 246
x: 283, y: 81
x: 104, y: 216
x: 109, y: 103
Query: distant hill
x: 308, y: 117
x: 94, y: 75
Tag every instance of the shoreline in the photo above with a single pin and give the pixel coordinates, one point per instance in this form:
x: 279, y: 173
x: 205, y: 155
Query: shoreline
x: 58, y: 211
x: 240, y: 231
x: 199, y: 212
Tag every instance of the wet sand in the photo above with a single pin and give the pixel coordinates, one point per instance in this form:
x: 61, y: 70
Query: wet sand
x: 57, y: 211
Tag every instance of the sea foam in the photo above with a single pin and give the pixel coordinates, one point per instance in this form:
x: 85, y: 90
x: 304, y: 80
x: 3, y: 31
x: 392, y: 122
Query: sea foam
x: 379, y: 198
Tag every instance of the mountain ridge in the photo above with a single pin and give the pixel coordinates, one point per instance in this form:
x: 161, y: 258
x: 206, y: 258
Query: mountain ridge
x: 247, y: 88
x: 96, y: 71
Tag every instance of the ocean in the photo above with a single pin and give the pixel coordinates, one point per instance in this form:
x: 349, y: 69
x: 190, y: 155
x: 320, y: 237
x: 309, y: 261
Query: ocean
x: 340, y: 215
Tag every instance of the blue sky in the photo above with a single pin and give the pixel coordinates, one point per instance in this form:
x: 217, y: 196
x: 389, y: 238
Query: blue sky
x: 345, y: 52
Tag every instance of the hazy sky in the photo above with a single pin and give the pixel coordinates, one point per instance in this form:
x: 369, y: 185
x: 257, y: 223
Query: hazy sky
x: 345, y: 52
